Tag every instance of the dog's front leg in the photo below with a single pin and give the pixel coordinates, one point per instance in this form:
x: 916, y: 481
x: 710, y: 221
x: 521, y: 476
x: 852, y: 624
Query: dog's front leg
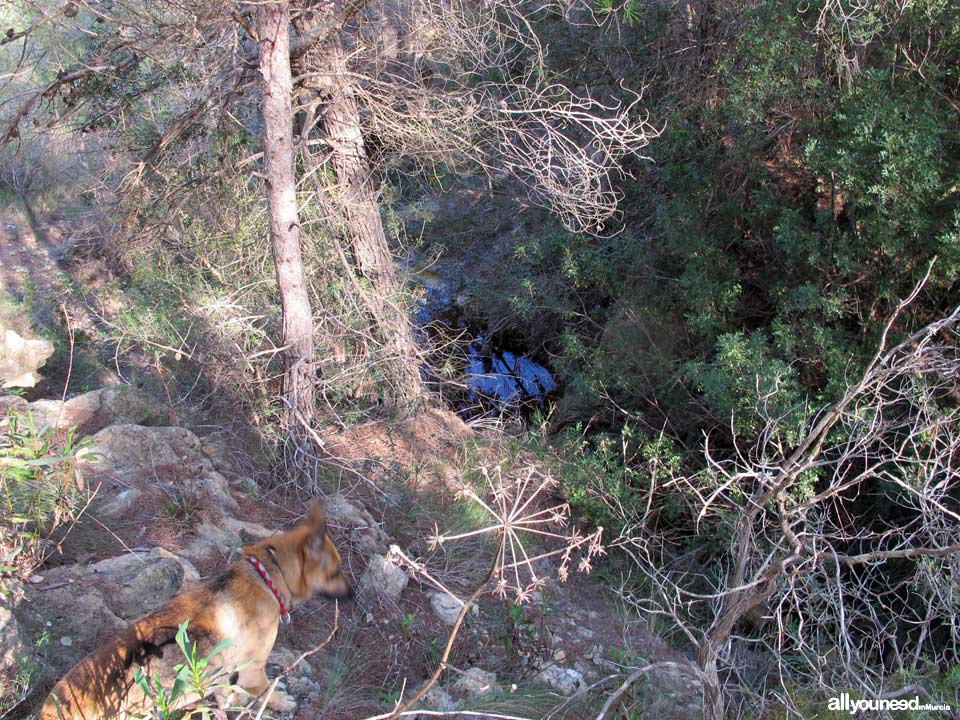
x: 254, y: 681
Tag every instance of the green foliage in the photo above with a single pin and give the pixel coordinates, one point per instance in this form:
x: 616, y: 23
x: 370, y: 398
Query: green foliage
x: 193, y: 677
x: 17, y: 686
x: 40, y: 490
x: 799, y: 191
x: 604, y: 476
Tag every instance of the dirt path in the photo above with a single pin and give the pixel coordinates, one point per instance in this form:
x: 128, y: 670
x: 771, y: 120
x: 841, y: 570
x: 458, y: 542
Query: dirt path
x: 30, y: 271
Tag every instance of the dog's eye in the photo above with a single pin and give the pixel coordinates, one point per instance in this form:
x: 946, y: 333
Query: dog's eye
x: 273, y: 553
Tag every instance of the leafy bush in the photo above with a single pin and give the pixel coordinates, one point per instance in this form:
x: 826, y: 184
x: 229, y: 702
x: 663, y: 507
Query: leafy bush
x: 40, y: 491
x: 194, y: 676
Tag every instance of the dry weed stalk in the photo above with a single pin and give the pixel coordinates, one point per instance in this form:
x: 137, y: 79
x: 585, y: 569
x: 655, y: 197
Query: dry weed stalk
x: 516, y: 520
x: 514, y: 515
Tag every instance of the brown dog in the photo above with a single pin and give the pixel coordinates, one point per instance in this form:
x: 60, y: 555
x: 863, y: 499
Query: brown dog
x: 245, y: 605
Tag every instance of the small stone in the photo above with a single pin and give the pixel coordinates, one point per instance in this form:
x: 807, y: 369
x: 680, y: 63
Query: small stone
x: 384, y: 576
x: 447, y: 608
x: 437, y: 699
x: 66, y: 641
x: 564, y: 680
x: 559, y: 656
x: 476, y: 681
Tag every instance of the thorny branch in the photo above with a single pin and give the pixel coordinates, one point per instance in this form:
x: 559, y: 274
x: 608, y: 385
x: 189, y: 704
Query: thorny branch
x: 797, y: 575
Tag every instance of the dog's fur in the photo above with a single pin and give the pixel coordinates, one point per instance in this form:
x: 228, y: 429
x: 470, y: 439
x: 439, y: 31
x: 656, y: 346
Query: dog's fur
x: 236, y: 605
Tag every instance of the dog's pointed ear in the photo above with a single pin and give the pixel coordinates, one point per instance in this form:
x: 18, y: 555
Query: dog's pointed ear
x: 317, y: 520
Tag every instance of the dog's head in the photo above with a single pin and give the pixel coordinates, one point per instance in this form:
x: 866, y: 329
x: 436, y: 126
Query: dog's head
x: 307, y: 560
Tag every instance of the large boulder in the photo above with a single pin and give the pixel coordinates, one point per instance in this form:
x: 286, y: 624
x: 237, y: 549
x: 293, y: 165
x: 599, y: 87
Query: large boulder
x: 134, y: 455
x: 20, y: 358
x: 79, y: 607
x: 92, y: 411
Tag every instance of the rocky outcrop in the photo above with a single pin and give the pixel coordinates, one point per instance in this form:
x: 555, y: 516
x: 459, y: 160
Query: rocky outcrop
x: 95, y: 410
x: 20, y: 358
x: 77, y: 605
x: 169, y: 456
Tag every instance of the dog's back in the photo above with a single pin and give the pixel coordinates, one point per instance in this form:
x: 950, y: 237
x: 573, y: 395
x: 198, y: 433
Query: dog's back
x: 102, y: 685
x: 243, y: 605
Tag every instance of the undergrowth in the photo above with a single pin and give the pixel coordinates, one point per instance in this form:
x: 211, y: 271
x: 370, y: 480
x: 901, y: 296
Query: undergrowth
x: 41, y: 490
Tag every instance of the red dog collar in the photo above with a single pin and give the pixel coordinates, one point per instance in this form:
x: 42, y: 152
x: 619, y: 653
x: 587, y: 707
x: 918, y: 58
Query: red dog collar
x: 284, y: 613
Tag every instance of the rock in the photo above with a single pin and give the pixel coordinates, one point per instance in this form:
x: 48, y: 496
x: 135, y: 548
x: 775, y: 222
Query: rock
x: 224, y: 459
x: 365, y: 532
x: 95, y: 410
x: 476, y: 681
x: 564, y: 680
x: 12, y: 404
x: 587, y: 670
x: 674, y: 689
x: 304, y: 687
x: 598, y: 656
x: 385, y: 577
x: 136, y: 584
x: 248, y: 532
x: 436, y: 699
x: 149, y: 455
x: 76, y: 611
x: 120, y: 504
x: 44, y: 412
x: 20, y: 358
x: 210, y: 538
x: 284, y: 656
x: 447, y: 608
x: 224, y: 537
x: 78, y: 606
x: 190, y: 574
x: 15, y: 652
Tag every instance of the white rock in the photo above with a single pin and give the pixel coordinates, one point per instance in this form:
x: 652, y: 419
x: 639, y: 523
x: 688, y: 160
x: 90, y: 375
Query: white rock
x: 15, y: 652
x: 476, y: 681
x: 565, y: 680
x: 437, y: 699
x: 365, y: 532
x: 385, y: 577
x: 118, y: 505
x: 447, y: 608
x: 20, y: 358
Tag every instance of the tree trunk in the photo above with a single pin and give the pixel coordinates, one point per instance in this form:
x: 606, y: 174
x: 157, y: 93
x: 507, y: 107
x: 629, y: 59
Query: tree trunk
x: 358, y: 211
x: 273, y: 23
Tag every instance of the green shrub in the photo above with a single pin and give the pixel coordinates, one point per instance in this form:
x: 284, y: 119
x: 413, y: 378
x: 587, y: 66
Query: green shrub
x: 40, y: 491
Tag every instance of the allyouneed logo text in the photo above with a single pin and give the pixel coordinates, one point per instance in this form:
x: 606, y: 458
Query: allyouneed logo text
x: 847, y: 704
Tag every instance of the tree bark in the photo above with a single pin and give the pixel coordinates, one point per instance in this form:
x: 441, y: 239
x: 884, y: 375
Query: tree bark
x: 273, y: 23
x: 358, y: 210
